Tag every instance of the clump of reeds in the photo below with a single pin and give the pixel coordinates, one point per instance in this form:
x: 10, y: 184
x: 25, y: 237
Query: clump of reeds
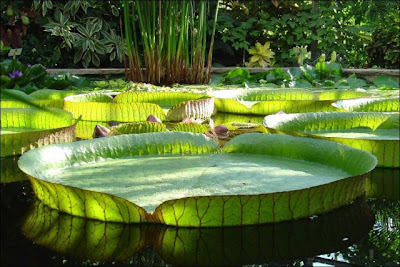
x: 167, y: 39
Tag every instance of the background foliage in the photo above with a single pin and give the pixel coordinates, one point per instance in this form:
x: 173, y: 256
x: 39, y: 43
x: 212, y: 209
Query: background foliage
x: 86, y: 33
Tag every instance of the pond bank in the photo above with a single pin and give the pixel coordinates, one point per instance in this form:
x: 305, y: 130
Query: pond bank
x: 368, y: 74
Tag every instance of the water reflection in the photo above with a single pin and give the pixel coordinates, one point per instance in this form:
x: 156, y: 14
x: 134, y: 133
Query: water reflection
x: 10, y: 171
x: 95, y: 240
x: 383, y: 183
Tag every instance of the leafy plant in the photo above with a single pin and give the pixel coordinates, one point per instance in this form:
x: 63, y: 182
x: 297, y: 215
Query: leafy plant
x: 15, y: 73
x: 386, y: 82
x: 85, y: 29
x: 262, y: 56
x: 300, y: 53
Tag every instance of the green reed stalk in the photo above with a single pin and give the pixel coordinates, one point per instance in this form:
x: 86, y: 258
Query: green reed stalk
x: 173, y: 40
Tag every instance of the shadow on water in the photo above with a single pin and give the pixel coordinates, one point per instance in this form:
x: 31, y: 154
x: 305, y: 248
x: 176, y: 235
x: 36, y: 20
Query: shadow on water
x: 349, y: 235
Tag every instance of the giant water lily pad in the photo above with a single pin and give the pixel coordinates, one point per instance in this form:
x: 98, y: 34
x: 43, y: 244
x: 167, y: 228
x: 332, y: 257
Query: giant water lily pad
x: 375, y: 132
x: 101, y: 107
x: 23, y: 129
x: 269, y: 101
x: 184, y: 179
x: 369, y: 104
x: 223, y: 246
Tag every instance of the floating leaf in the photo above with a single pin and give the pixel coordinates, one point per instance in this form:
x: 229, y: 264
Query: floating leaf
x: 193, y: 184
x: 377, y: 133
x: 165, y: 99
x: 337, y: 94
x: 369, y: 104
x: 23, y: 129
x: 192, y: 127
x: 277, y: 94
x: 44, y: 94
x: 292, y: 106
x: 99, y: 107
x: 138, y: 127
x: 230, y: 106
x: 200, y: 109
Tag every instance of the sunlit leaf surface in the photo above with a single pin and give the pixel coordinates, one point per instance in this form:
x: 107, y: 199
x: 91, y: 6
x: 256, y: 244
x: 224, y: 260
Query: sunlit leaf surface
x: 187, y: 181
x: 375, y: 132
x: 23, y: 129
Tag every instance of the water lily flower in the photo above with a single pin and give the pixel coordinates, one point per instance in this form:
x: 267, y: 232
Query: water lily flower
x: 15, y: 74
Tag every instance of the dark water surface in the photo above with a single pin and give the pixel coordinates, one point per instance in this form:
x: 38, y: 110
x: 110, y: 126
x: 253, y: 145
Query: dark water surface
x: 363, y: 233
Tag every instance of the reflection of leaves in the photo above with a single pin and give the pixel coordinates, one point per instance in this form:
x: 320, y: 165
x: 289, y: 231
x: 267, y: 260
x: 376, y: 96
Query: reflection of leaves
x: 78, y: 237
x: 382, y: 246
x: 10, y: 171
x: 383, y: 183
x: 95, y: 240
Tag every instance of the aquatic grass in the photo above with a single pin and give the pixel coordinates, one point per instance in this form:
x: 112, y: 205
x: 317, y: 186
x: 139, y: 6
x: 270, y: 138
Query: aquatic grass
x: 169, y: 40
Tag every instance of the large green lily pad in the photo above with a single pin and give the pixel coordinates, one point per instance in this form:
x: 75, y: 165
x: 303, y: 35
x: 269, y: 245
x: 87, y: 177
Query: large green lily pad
x: 224, y: 246
x: 23, y: 129
x: 101, y: 107
x: 375, y: 132
x: 184, y: 179
x: 369, y: 104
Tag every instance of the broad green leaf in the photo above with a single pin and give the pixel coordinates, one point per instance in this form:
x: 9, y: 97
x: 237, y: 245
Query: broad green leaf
x: 44, y: 94
x: 292, y: 106
x: 193, y: 128
x: 384, y: 81
x: 10, y: 94
x: 383, y: 183
x: 77, y: 200
x: 301, y: 83
x: 375, y: 132
x: 200, y: 109
x: 236, y: 76
x: 99, y: 107
x: 228, y: 118
x: 167, y: 99
x: 84, y: 129
x: 23, y: 129
x: 196, y: 185
x: 337, y: 94
x: 10, y: 171
x: 369, y: 104
x: 222, y: 246
x: 230, y: 106
x: 277, y: 94
x: 138, y: 127
x: 48, y: 103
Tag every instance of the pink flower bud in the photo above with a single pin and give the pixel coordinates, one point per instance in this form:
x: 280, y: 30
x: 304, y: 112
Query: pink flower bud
x: 153, y: 118
x: 100, y: 131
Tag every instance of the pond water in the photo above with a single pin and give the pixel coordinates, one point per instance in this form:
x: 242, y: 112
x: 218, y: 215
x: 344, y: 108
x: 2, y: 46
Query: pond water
x: 363, y: 233
x: 366, y: 232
